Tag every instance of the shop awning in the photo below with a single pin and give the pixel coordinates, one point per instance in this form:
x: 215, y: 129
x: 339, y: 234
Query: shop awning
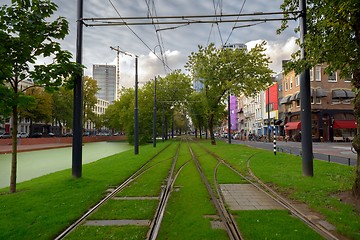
x: 320, y: 92
x: 343, y: 124
x: 285, y: 100
x: 342, y: 93
x: 292, y: 125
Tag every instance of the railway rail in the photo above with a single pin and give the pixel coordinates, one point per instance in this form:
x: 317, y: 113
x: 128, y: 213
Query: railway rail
x: 144, y: 168
x: 257, y: 183
x: 227, y: 219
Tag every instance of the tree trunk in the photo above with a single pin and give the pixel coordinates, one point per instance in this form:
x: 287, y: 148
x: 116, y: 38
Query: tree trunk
x: 211, y: 129
x: 356, y: 141
x: 14, y: 150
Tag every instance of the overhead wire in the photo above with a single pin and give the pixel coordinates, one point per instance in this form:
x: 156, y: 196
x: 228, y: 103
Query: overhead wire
x: 232, y: 30
x: 147, y: 46
x: 158, y: 35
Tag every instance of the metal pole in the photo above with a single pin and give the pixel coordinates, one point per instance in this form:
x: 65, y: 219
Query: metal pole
x: 78, y: 96
x: 274, y: 140
x: 162, y: 123
x: 154, y: 116
x: 136, y: 110
x: 306, y: 135
x: 229, y: 120
x: 268, y: 112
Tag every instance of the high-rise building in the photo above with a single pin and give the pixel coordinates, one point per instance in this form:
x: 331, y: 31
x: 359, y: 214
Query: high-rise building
x: 105, y: 75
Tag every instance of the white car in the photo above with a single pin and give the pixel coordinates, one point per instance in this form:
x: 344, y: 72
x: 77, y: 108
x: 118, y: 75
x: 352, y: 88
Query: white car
x: 22, y: 135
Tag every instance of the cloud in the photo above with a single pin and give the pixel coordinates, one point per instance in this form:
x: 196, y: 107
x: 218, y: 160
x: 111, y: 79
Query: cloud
x: 277, y: 51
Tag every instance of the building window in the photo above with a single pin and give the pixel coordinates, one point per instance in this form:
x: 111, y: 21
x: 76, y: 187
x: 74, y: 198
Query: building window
x: 332, y: 77
x: 297, y: 103
x: 318, y: 100
x: 335, y: 101
x: 297, y: 80
x: 348, y: 79
x: 291, y: 83
x: 286, y: 85
x: 318, y: 73
x: 346, y: 101
x: 311, y: 74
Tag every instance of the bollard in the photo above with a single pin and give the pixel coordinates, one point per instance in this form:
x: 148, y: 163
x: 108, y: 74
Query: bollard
x: 328, y: 158
x: 274, y: 143
x: 349, y: 161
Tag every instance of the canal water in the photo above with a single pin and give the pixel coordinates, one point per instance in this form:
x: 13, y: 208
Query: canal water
x: 37, y: 163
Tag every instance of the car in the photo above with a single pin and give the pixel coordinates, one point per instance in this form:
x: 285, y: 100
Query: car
x: 36, y: 135
x: 5, y: 135
x: 22, y: 135
x: 50, y: 134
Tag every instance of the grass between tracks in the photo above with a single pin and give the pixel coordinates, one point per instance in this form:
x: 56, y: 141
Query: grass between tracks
x: 284, y: 172
x: 189, y: 210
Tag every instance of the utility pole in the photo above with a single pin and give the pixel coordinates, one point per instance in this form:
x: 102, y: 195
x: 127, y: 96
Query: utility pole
x: 117, y: 85
x: 78, y: 100
x: 306, y: 135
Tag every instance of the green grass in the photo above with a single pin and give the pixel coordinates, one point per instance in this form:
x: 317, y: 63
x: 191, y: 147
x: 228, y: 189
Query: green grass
x: 109, y: 233
x: 149, y: 183
x: 184, y: 216
x: 45, y: 206
x: 125, y: 209
x: 284, y: 171
x: 273, y: 224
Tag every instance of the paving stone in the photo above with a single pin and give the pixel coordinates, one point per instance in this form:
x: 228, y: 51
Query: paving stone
x: 247, y: 197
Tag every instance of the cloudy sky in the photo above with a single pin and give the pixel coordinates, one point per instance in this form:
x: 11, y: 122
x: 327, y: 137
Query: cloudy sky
x: 177, y: 44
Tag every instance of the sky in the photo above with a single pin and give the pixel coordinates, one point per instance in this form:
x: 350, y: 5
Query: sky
x: 178, y: 43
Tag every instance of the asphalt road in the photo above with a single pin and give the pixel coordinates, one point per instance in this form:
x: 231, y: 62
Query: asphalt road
x: 339, y: 152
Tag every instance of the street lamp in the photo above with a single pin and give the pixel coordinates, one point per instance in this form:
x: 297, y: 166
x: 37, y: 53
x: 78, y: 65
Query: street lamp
x: 136, y: 109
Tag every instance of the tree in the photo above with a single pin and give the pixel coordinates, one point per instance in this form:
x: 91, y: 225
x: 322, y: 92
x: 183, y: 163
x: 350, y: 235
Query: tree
x: 63, y: 107
x: 90, y: 99
x: 41, y: 108
x: 26, y: 36
x: 334, y: 38
x: 223, y: 71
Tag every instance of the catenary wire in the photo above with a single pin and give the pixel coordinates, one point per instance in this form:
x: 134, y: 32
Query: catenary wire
x: 147, y: 46
x: 232, y: 30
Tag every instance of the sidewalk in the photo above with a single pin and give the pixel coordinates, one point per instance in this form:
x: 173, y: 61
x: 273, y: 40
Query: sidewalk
x: 5, y: 149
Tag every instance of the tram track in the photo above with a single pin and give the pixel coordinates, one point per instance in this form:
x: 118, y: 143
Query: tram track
x: 225, y: 216
x: 144, y: 168
x: 257, y: 183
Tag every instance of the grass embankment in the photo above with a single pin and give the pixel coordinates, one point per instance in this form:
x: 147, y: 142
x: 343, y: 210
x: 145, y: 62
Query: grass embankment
x: 45, y: 206
x: 284, y: 172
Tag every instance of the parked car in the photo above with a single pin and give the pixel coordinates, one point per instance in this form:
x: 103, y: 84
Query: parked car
x: 36, y: 135
x: 22, y: 135
x: 5, y: 135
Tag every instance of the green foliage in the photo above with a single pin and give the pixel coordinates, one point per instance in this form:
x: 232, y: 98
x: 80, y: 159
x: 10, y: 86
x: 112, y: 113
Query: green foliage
x: 89, y: 99
x: 40, y: 110
x: 333, y: 37
x: 63, y: 100
x: 172, y: 94
x: 224, y: 70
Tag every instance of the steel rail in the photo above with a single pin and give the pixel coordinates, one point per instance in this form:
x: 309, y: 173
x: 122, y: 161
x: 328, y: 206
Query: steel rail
x: 233, y: 232
x: 279, y: 199
x: 165, y: 194
x: 141, y: 170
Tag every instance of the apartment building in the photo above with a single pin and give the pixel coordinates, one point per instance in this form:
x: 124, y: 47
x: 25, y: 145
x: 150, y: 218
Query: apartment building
x: 332, y: 111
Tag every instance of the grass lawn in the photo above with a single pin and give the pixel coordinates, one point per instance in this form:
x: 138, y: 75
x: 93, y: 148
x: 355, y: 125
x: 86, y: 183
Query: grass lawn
x: 44, y: 206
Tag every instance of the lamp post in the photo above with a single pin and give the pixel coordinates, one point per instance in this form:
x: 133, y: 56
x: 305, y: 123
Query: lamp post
x: 154, y: 115
x: 136, y: 109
